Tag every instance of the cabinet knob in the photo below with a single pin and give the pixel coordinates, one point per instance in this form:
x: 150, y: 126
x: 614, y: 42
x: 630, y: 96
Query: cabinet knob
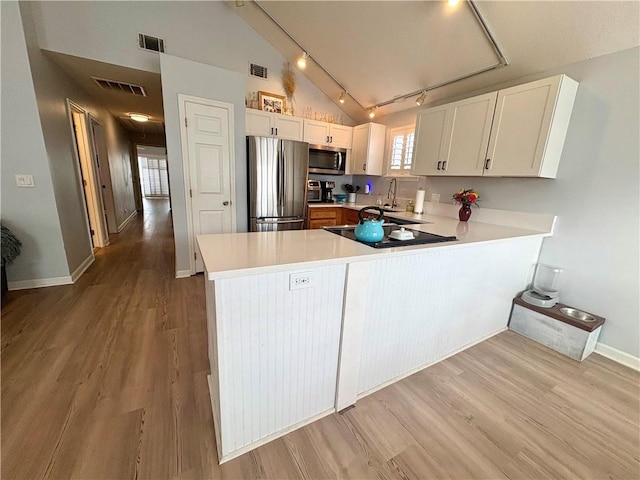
x: 364, y: 167
x: 444, y: 165
x: 276, y: 130
x: 438, y: 167
x: 486, y: 163
x: 226, y: 203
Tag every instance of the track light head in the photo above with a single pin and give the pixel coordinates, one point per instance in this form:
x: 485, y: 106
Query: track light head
x: 302, y: 61
x: 343, y: 97
x: 420, y: 100
x: 372, y: 112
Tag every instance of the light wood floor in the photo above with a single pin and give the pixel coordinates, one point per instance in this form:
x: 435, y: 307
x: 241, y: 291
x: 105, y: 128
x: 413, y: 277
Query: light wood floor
x: 107, y: 379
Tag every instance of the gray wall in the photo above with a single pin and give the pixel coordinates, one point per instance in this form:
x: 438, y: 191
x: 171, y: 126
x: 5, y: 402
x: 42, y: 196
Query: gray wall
x: 29, y: 212
x: 180, y: 76
x: 595, y: 194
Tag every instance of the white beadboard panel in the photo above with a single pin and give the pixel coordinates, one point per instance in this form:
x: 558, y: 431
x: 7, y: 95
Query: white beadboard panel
x: 421, y: 308
x: 277, y: 352
x: 213, y: 378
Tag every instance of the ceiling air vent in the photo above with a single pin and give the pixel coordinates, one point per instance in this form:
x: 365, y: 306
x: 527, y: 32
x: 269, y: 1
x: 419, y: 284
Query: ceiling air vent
x: 257, y: 70
x: 120, y: 86
x: 153, y: 44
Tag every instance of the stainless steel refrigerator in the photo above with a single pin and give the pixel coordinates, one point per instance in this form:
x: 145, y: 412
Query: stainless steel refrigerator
x: 277, y: 183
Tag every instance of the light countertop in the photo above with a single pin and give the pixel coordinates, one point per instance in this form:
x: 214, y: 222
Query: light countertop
x: 240, y: 254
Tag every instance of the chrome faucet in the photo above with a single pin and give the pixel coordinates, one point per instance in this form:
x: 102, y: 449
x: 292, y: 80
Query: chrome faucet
x: 393, y: 183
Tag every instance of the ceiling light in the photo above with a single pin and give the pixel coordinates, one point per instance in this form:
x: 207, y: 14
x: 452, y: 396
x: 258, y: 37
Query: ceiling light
x: 302, y: 61
x: 372, y: 112
x: 420, y: 100
x: 343, y: 96
x: 453, y: 3
x: 139, y: 117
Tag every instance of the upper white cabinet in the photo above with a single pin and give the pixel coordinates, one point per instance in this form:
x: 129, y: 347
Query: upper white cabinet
x: 452, y: 139
x: 367, y: 152
x: 516, y: 132
x: 267, y: 124
x: 323, y: 133
x: 529, y: 128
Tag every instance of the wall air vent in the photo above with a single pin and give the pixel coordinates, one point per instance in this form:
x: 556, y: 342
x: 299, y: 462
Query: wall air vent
x: 153, y: 44
x: 257, y: 70
x: 120, y: 86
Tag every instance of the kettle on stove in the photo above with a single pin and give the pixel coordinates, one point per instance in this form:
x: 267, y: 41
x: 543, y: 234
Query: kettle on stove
x: 370, y: 229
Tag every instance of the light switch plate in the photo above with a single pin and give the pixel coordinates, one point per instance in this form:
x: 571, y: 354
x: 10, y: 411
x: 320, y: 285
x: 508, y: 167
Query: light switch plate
x: 435, y: 197
x: 25, y: 181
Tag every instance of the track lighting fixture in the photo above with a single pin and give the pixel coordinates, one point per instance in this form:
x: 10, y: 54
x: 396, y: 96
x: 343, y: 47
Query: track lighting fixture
x: 453, y: 3
x: 420, y: 100
x: 343, y: 96
x: 302, y: 61
x: 372, y: 112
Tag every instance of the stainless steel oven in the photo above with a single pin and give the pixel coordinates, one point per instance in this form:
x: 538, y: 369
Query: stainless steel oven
x: 328, y: 160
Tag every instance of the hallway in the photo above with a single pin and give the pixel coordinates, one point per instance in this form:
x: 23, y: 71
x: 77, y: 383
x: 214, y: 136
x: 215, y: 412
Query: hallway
x: 107, y: 379
x: 95, y: 374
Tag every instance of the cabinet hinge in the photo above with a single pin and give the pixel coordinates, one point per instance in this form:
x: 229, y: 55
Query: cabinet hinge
x: 92, y: 231
x: 190, y: 193
x: 185, y: 122
x: 195, y: 256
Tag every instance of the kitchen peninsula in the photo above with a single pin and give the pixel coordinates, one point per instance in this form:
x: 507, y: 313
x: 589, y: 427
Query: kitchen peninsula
x: 303, y: 323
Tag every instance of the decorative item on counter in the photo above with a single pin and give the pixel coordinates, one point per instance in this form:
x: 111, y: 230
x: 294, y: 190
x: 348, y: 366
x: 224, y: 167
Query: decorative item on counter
x: 379, y: 200
x: 288, y: 85
x: 419, y: 203
x: 351, y: 191
x: 409, y: 207
x: 466, y: 198
x: 270, y: 102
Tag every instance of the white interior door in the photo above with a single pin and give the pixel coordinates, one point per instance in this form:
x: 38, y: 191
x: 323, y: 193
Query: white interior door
x: 209, y: 134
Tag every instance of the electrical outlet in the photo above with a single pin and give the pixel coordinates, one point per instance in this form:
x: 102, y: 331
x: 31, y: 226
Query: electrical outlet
x: 435, y: 198
x: 25, y: 181
x: 300, y: 280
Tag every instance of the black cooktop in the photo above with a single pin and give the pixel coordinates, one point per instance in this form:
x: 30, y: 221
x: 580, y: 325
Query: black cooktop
x: 420, y: 237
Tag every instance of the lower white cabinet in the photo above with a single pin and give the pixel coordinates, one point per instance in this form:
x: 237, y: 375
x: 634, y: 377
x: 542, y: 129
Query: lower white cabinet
x: 267, y: 124
x: 367, y: 152
x: 515, y: 132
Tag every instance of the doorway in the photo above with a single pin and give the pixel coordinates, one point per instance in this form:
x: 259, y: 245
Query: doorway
x: 88, y: 175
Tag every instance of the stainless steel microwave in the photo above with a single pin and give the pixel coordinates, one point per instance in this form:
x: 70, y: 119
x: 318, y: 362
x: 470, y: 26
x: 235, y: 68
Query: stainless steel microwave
x: 328, y: 160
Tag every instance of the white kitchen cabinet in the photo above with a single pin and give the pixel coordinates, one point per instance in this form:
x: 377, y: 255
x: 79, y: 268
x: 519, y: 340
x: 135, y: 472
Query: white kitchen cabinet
x: 529, y: 128
x: 367, y: 151
x: 267, y: 124
x: 516, y: 132
x: 323, y: 133
x: 452, y: 139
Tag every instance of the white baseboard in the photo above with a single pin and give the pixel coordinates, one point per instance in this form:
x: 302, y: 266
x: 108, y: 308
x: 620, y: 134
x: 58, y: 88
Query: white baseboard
x: 39, y: 283
x: 183, y: 273
x: 126, y: 222
x: 77, y: 273
x: 618, y: 356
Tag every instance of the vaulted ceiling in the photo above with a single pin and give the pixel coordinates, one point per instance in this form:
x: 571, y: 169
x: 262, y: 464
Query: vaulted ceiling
x: 379, y: 51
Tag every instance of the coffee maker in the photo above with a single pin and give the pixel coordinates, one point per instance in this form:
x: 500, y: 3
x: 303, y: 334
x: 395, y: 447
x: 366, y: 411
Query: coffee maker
x: 327, y: 191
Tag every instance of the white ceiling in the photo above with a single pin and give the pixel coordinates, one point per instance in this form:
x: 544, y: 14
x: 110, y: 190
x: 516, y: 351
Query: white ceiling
x: 379, y: 50
x: 118, y: 103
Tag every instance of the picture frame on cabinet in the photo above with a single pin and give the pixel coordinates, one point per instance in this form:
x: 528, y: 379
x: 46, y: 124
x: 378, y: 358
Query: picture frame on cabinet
x: 271, y: 102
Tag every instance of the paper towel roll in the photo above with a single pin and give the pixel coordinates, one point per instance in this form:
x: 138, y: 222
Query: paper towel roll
x: 419, y: 203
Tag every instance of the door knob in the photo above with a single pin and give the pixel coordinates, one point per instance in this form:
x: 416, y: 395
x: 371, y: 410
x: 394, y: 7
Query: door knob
x: 225, y: 203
